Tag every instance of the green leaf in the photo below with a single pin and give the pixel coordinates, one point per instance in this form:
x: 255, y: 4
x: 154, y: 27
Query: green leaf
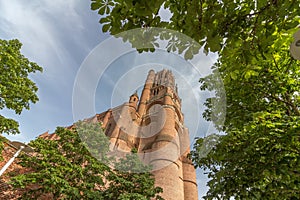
x: 95, y: 5
x: 105, y: 27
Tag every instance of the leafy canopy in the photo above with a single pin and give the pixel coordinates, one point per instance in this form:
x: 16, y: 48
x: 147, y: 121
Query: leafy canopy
x: 17, y: 91
x: 259, y: 157
x: 65, y: 168
x: 241, y: 25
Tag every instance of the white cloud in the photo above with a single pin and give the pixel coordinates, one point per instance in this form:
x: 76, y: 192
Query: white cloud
x: 44, y: 27
x: 55, y: 34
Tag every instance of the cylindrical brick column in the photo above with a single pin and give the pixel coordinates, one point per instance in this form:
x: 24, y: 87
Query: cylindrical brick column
x: 165, y: 158
x: 189, y: 180
x: 169, y: 172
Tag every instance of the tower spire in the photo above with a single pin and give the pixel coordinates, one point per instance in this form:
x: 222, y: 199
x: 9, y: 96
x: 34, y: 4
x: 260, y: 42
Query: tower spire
x: 146, y: 91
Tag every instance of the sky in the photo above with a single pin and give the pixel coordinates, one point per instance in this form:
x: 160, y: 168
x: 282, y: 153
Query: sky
x: 87, y: 72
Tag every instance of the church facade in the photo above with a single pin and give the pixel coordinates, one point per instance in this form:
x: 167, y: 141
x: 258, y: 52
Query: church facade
x: 154, y: 124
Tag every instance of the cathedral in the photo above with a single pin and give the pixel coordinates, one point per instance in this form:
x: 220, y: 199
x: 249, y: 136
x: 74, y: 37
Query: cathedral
x: 154, y: 124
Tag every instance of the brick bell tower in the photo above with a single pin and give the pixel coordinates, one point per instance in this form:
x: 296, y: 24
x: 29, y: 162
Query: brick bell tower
x: 154, y: 125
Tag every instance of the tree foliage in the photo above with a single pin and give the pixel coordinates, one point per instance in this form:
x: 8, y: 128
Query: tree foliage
x: 131, y: 180
x: 17, y: 91
x: 241, y: 25
x: 65, y: 168
x: 258, y: 157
